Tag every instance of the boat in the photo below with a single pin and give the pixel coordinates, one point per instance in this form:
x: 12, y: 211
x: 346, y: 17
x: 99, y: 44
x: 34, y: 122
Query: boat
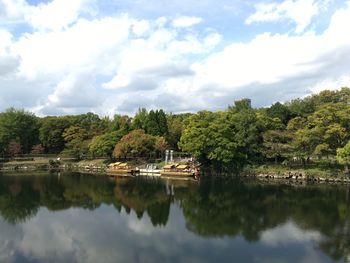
x: 151, y: 170
x: 122, y: 168
x: 178, y: 170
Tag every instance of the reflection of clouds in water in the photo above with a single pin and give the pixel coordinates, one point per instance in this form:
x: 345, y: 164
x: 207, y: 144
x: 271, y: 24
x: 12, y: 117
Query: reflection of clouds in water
x: 288, y: 233
x: 9, y: 236
x: 104, y: 235
x: 287, y: 236
x: 141, y: 227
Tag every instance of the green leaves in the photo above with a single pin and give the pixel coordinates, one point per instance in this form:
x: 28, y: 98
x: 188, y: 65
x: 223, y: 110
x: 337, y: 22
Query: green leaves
x: 19, y: 126
x: 226, y: 137
x: 103, y: 145
x: 343, y: 154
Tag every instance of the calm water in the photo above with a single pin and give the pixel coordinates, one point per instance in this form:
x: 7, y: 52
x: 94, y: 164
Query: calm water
x: 76, y: 218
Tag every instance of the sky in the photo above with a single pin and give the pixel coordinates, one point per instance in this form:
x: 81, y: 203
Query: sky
x: 62, y: 57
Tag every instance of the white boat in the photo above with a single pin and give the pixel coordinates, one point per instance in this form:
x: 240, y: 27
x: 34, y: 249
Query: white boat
x: 151, y: 169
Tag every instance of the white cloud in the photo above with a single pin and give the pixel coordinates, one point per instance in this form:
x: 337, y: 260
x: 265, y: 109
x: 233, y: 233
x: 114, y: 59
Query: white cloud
x: 186, y: 21
x: 153, y: 62
x: 12, y: 10
x: 87, y: 44
x: 275, y: 59
x: 300, y: 12
x: 57, y: 14
x: 141, y: 27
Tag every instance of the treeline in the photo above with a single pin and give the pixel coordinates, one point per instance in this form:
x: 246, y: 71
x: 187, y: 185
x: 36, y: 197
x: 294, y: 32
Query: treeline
x: 148, y: 133
x: 315, y: 127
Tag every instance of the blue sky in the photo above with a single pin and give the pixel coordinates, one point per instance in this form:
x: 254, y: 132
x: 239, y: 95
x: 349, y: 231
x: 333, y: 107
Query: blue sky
x: 73, y: 56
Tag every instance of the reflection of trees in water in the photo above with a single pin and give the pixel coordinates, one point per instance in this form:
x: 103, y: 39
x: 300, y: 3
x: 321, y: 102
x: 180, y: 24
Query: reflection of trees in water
x: 215, y: 208
x: 231, y: 207
x: 18, y: 200
x: 144, y: 195
x: 21, y: 196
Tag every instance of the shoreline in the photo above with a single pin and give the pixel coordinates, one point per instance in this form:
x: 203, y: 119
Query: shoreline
x: 292, y: 175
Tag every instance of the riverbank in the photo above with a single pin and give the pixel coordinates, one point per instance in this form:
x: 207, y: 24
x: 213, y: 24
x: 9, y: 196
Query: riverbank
x: 47, y: 164
x: 315, y: 173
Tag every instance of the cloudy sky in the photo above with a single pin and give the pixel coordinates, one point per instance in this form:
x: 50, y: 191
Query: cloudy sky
x: 114, y: 56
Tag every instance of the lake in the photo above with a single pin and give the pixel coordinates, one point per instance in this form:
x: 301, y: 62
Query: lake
x: 70, y: 217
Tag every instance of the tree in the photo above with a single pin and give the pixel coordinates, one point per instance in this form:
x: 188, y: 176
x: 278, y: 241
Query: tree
x: 18, y: 125
x: 195, y: 137
x: 140, y: 119
x: 76, y: 141
x: 103, y: 145
x: 137, y: 143
x: 175, y: 128
x: 162, y: 122
x: 151, y: 126
x: 51, y: 133
x: 343, y: 156
x: 230, y: 137
x: 301, y: 107
x: 280, y: 111
x: 156, y: 123
x: 277, y: 143
x: 268, y: 123
x: 121, y: 123
x: 14, y: 148
x: 247, y: 134
x: 91, y: 123
x: 37, y: 149
x: 160, y: 146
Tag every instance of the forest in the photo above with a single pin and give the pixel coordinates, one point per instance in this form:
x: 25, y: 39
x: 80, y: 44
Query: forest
x: 316, y: 127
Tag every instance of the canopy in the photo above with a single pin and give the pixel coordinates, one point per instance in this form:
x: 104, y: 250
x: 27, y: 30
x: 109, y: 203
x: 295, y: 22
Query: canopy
x: 182, y: 166
x: 169, y: 166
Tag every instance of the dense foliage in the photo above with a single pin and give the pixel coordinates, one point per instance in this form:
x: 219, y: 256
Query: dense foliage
x: 313, y: 128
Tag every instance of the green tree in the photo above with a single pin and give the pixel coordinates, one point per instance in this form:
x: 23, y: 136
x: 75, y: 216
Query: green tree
x: 156, y: 123
x: 76, y: 141
x: 343, y: 156
x: 280, y: 111
x: 103, y: 145
x: 301, y: 107
x: 51, y: 133
x: 247, y: 133
x: 18, y: 125
x: 140, y: 119
x: 195, y: 138
x: 175, y: 128
x: 277, y: 143
x: 91, y: 123
x: 122, y: 124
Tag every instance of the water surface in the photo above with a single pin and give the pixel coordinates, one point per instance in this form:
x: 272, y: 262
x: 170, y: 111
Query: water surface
x: 84, y: 218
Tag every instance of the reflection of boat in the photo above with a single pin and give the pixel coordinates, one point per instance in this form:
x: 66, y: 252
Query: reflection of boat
x: 122, y: 168
x: 181, y: 170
